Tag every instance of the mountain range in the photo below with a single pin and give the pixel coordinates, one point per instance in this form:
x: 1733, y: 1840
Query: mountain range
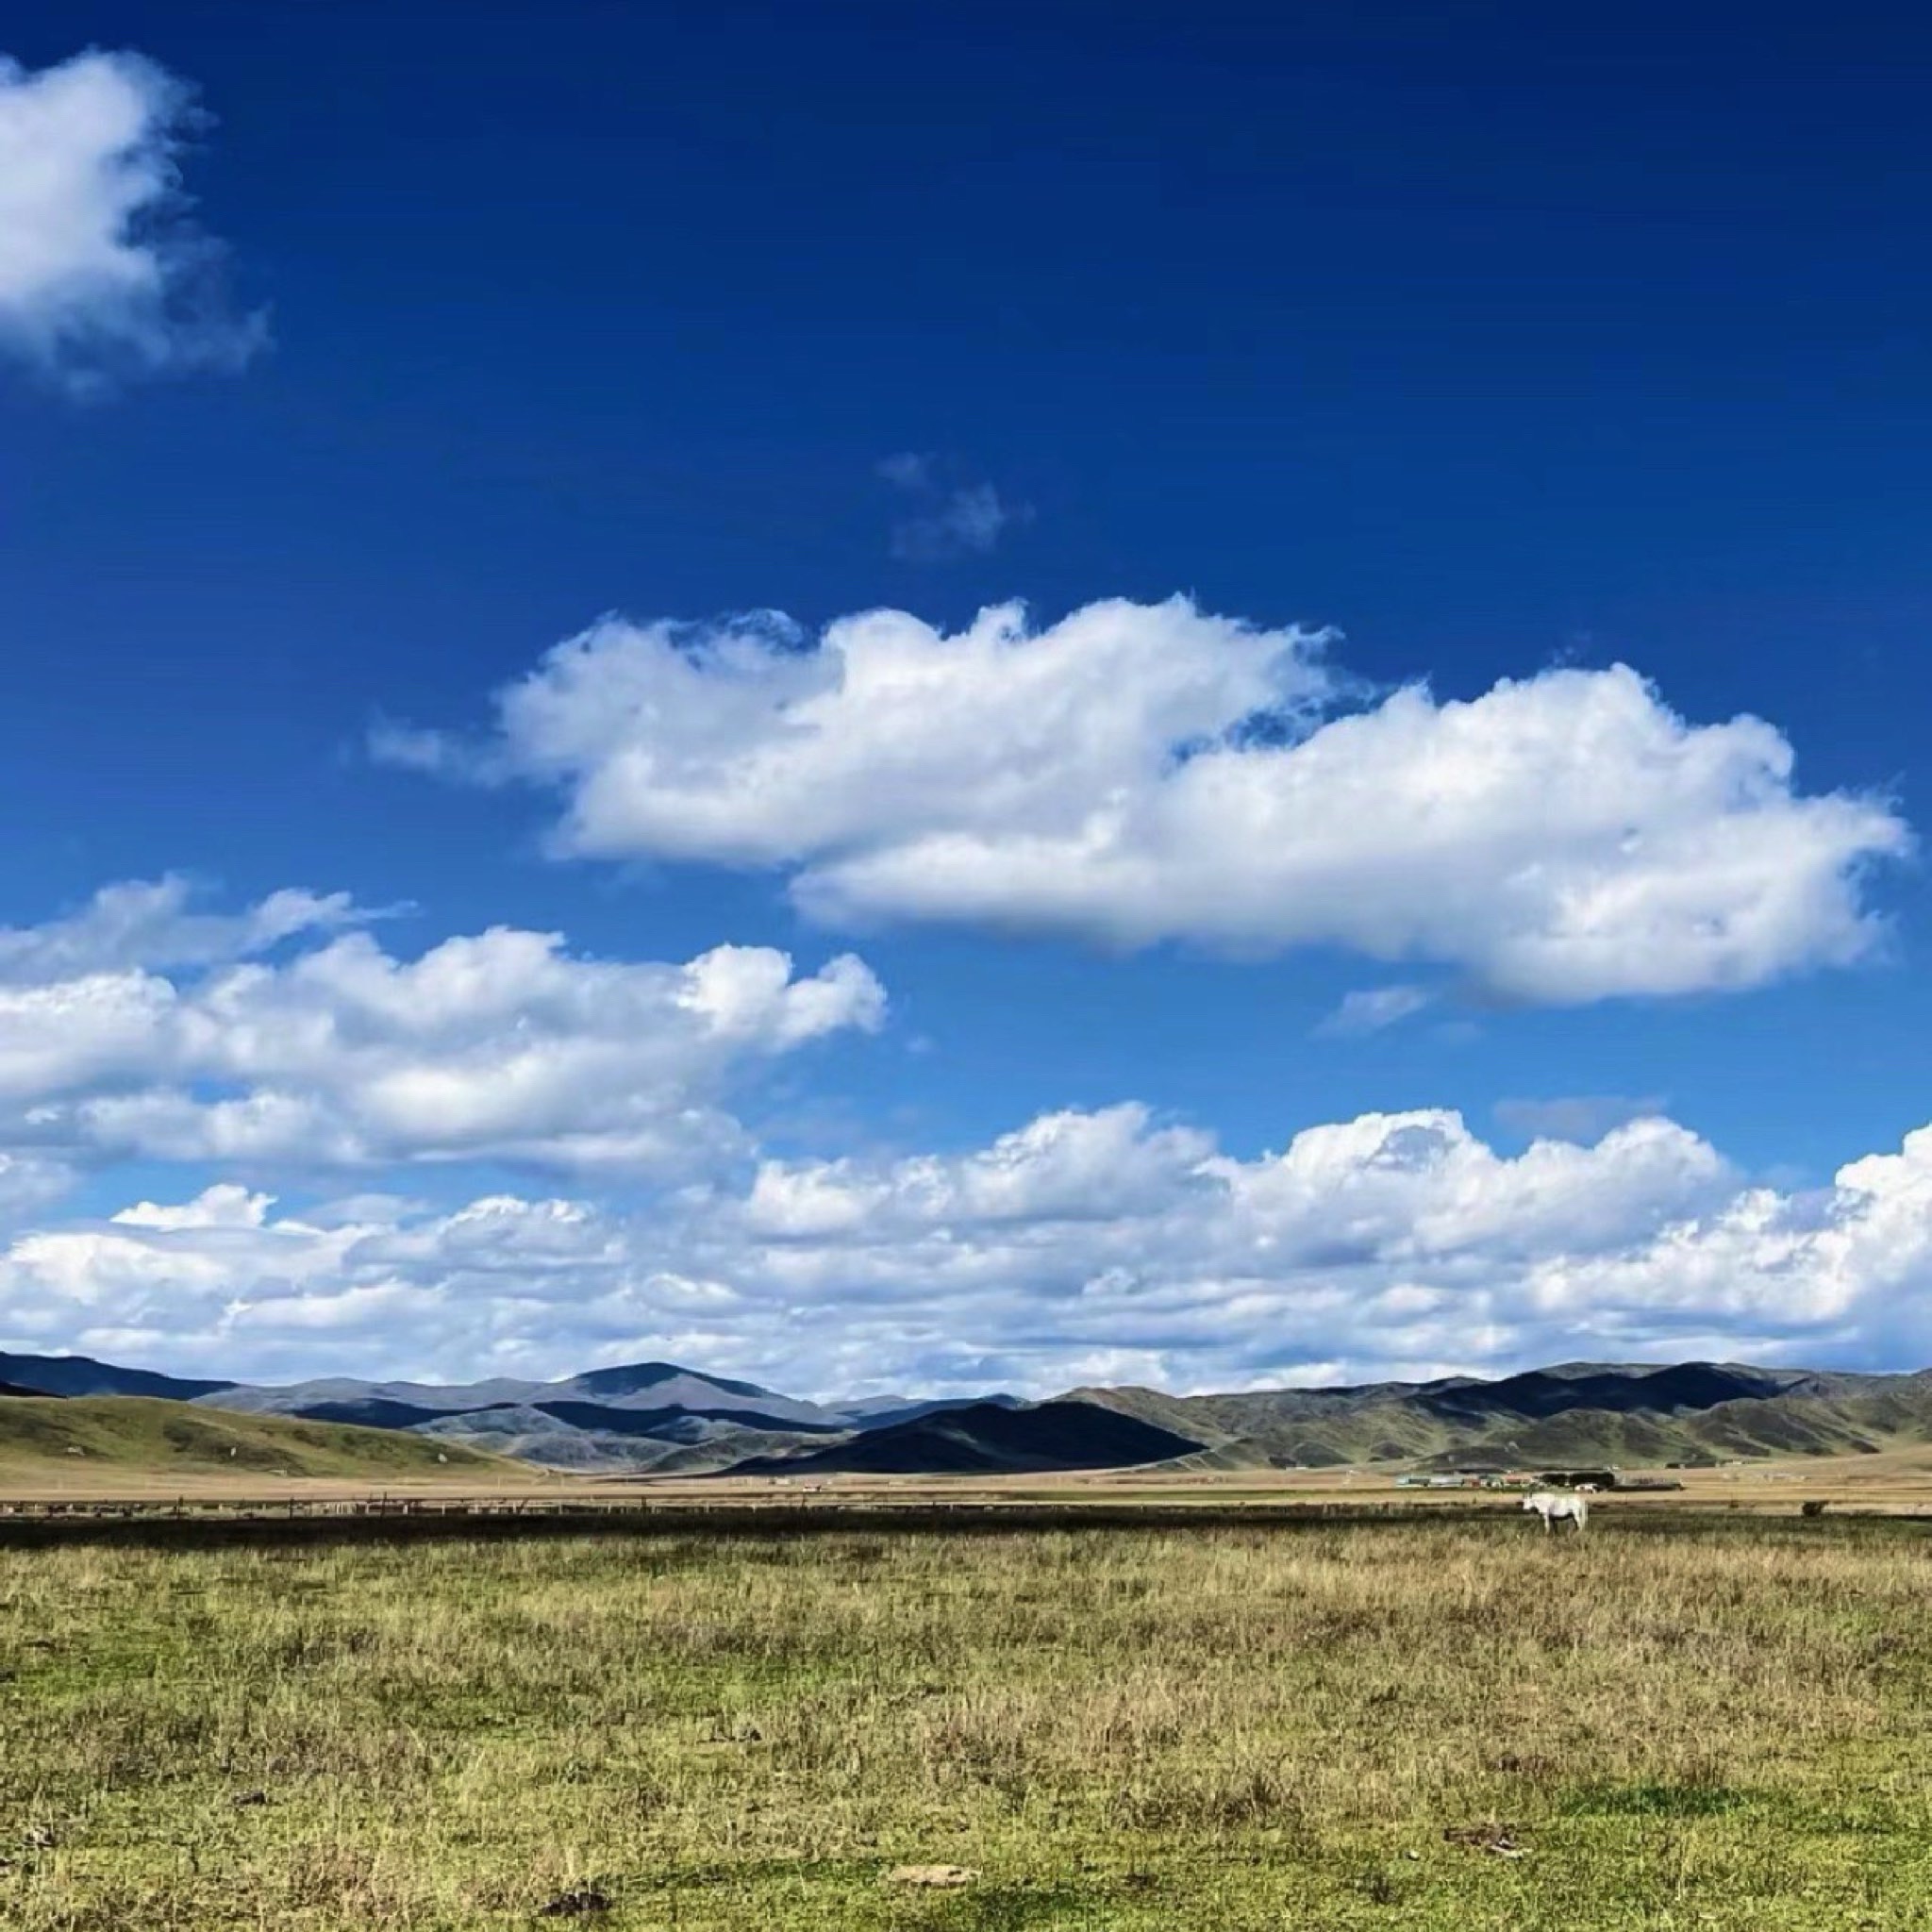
x: 1598, y: 1414
x: 657, y: 1418
x: 639, y: 1417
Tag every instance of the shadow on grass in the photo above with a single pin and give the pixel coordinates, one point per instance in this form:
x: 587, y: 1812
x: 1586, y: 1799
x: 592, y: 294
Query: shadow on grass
x: 283, y: 1525
x: 1654, y: 1800
x: 980, y: 1906
x: 272, y: 1526
x: 1014, y: 1908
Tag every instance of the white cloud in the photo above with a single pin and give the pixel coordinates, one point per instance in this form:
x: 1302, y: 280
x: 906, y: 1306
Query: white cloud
x: 1393, y: 1243
x: 1137, y: 773
x: 221, y: 1206
x: 138, y: 1028
x: 1370, y: 1010
x: 101, y: 268
x: 28, y: 1184
x: 225, y: 1278
x: 1068, y: 1166
x: 152, y: 923
x: 1084, y: 1246
x: 734, y: 743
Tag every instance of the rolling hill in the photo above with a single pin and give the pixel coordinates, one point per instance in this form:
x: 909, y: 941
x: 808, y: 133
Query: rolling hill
x: 640, y: 1386
x: 657, y: 1418
x: 987, y: 1439
x: 80, y: 1374
x: 153, y: 1435
x: 1577, y: 1415
x: 632, y: 1418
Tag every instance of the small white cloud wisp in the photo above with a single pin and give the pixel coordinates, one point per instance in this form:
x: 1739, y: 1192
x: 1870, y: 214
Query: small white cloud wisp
x: 952, y: 518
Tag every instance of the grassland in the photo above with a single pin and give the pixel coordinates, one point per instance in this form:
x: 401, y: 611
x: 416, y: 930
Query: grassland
x: 131, y: 1444
x: 1676, y: 1723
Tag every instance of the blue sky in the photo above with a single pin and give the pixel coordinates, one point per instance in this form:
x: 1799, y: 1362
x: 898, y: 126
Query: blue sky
x: 1500, y: 345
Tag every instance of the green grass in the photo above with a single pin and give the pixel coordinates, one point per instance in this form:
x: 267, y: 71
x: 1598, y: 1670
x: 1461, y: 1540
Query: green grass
x: 1171, y: 1731
x: 143, y: 1436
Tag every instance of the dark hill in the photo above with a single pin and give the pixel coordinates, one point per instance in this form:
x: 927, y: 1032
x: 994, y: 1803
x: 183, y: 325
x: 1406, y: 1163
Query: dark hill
x: 627, y: 1380
x: 986, y: 1439
x: 1541, y: 1393
x: 673, y: 1424
x: 79, y: 1375
x: 677, y: 1424
x: 868, y: 1418
x: 371, y: 1413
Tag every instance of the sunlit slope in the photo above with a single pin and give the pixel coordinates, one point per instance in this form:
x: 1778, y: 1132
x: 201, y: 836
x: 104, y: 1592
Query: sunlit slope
x: 1579, y: 1414
x: 136, y: 1434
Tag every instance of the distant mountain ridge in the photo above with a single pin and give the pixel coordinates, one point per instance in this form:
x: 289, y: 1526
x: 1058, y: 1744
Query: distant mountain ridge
x: 80, y: 1374
x: 659, y: 1418
x: 639, y: 1384
x: 1623, y: 1414
x: 630, y: 1417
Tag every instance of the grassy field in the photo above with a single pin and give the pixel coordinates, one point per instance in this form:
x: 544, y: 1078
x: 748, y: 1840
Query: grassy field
x: 1671, y: 1723
x: 130, y: 1444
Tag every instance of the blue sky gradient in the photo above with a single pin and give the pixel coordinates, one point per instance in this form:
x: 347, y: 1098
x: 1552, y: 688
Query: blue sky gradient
x: 1495, y: 340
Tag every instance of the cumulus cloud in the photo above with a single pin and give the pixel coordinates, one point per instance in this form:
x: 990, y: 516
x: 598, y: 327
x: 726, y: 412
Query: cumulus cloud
x: 1113, y: 1247
x: 1136, y: 773
x: 138, y: 1028
x: 1084, y: 1246
x: 737, y: 742
x: 1068, y: 1166
x: 28, y: 1184
x: 226, y: 1276
x: 102, y: 271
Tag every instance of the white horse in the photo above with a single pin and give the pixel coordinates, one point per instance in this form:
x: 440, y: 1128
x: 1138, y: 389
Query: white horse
x: 1554, y: 1508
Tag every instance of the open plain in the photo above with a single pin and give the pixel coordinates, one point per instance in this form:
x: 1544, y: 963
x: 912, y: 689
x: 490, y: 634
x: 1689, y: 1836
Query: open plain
x: 1693, y: 1717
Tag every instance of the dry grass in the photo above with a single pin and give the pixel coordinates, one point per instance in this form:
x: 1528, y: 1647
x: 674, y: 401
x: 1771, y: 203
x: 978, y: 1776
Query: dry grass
x: 1898, y: 1479
x: 1211, y: 1730
x: 140, y: 1445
